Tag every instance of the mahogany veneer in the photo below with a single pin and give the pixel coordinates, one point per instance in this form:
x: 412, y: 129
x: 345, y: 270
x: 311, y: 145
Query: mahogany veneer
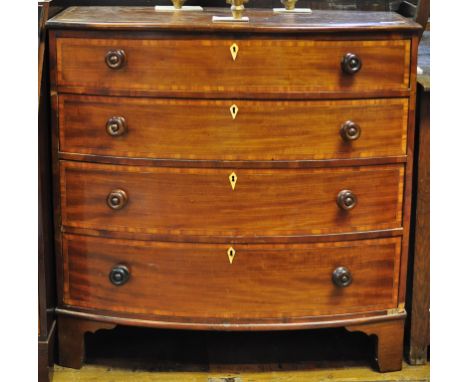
x: 164, y: 65
x: 261, y: 130
x: 263, y: 281
x: 263, y: 190
x: 201, y: 202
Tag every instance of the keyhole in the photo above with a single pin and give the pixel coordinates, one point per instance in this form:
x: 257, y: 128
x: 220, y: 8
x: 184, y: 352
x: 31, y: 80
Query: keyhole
x: 231, y: 252
x: 233, y: 109
x: 232, y: 179
x: 234, y: 49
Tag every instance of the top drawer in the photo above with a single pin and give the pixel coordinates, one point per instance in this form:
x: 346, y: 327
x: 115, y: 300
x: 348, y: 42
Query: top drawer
x: 240, y: 67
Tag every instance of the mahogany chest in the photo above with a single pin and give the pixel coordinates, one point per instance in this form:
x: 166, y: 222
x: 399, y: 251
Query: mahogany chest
x: 232, y: 176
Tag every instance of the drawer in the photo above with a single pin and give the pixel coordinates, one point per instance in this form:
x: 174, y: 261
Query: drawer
x: 205, y: 67
x: 232, y: 130
x: 198, y: 281
x: 204, y: 202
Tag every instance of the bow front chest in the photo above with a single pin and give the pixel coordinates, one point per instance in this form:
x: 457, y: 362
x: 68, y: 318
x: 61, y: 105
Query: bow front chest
x: 232, y: 176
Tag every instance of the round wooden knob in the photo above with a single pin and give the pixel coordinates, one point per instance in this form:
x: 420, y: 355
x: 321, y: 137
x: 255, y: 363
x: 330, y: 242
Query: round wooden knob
x: 351, y: 63
x: 342, y: 277
x: 119, y: 275
x: 346, y: 200
x: 116, y: 126
x: 350, y: 131
x: 115, y: 59
x: 117, y: 199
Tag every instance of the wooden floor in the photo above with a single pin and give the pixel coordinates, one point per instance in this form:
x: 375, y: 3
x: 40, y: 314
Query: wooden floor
x: 143, y: 355
x: 352, y: 374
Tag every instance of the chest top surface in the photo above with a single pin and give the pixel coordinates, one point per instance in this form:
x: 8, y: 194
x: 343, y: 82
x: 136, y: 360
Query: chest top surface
x: 261, y: 20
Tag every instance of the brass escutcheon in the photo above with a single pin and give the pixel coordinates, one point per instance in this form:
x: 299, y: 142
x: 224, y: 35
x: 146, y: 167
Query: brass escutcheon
x: 234, y: 110
x: 233, y: 180
x: 231, y: 252
x: 234, y: 50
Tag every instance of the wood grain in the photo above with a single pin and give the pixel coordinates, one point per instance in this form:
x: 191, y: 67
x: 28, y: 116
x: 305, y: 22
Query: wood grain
x: 247, y: 372
x: 263, y: 66
x: 71, y: 333
x: 201, y: 163
x: 265, y: 324
x: 46, y: 355
x: 419, y: 323
x: 282, y: 217
x: 45, y: 261
x: 201, y: 202
x: 261, y: 21
x: 197, y: 282
x: 409, y: 172
x: 206, y: 130
x: 389, y: 354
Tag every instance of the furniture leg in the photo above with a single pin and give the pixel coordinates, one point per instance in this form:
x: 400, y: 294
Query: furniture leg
x: 71, y: 332
x: 389, y: 344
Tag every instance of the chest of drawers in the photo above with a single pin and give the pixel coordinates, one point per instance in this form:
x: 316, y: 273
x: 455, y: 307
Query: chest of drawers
x: 252, y: 176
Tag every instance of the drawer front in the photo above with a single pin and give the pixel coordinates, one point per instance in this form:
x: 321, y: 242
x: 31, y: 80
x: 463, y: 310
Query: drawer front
x: 197, y: 281
x: 190, y: 201
x: 206, y: 66
x: 232, y: 130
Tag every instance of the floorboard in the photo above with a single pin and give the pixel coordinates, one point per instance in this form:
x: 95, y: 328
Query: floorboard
x: 91, y: 373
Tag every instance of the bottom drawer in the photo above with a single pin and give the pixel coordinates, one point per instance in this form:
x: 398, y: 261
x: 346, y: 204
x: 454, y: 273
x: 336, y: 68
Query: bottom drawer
x: 211, y: 283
